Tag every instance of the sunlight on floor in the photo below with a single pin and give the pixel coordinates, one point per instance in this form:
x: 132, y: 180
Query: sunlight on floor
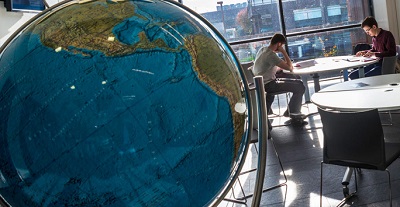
x: 291, y: 192
x: 315, y: 201
x: 321, y: 140
x: 288, y: 172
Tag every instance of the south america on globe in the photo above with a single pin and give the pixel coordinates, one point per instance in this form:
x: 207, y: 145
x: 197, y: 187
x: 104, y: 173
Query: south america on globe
x: 118, y: 103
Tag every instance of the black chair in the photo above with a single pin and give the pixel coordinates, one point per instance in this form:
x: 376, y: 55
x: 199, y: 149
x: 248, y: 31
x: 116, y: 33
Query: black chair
x: 356, y: 140
x: 361, y: 47
x: 389, y: 65
x: 249, y: 77
x: 296, y: 119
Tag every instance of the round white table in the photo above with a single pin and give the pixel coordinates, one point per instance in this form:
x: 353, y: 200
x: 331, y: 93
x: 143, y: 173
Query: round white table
x: 328, y: 64
x: 381, y: 92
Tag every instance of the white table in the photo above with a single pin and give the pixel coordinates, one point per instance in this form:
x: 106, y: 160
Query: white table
x: 328, y: 64
x: 381, y: 92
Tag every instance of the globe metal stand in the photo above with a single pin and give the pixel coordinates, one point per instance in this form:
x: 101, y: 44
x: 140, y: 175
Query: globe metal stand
x: 262, y: 139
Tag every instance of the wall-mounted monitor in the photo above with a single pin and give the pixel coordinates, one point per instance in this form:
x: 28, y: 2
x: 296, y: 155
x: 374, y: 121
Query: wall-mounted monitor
x: 24, y: 5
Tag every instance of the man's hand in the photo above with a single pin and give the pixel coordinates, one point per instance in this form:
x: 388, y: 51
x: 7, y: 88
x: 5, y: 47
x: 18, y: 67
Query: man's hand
x: 280, y: 49
x: 361, y: 53
x: 369, y: 54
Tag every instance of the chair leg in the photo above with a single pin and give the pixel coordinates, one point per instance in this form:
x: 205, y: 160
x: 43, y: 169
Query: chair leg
x: 355, y: 182
x: 390, y: 188
x: 235, y: 200
x: 244, y: 197
x: 255, y: 147
x: 265, y: 189
x: 277, y: 98
x: 242, y: 190
x: 281, y: 166
x: 279, y: 105
x: 287, y: 102
x: 320, y: 187
x: 390, y: 118
x: 279, y: 160
x: 356, y: 186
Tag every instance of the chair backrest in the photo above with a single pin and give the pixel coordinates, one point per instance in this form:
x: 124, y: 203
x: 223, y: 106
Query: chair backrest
x: 360, y: 47
x: 389, y: 65
x: 248, y: 74
x: 353, y: 139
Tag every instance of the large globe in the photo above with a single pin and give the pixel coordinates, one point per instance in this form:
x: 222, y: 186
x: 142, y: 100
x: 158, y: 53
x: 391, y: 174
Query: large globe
x: 118, y: 103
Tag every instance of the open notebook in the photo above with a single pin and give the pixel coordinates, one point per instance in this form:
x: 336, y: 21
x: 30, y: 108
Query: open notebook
x: 361, y: 59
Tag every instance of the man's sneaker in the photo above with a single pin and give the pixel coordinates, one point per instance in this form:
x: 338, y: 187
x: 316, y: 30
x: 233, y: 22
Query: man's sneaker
x: 294, y: 115
x: 298, y: 119
x: 297, y: 116
x: 298, y: 122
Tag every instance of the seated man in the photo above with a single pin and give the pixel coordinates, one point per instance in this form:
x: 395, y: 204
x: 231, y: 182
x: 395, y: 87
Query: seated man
x: 383, y: 45
x: 267, y: 63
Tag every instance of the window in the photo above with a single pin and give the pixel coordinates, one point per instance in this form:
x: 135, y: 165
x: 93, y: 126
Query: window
x: 334, y: 10
x: 314, y: 28
x: 305, y: 14
x: 259, y: 2
x: 266, y: 19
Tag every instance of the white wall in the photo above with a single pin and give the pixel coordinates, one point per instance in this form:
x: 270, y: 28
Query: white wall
x: 388, y: 17
x: 397, y: 13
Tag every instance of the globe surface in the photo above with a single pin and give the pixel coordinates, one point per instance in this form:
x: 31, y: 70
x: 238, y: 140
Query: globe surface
x: 118, y: 103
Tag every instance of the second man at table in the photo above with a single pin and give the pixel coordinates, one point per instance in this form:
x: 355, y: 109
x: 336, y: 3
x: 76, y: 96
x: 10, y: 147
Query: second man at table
x: 383, y: 45
x: 267, y: 63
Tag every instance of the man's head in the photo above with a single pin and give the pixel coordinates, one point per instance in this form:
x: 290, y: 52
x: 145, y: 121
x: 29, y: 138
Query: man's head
x: 277, y: 40
x: 370, y: 26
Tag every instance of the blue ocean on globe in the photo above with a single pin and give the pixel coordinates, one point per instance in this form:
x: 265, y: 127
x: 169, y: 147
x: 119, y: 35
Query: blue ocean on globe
x: 118, y: 103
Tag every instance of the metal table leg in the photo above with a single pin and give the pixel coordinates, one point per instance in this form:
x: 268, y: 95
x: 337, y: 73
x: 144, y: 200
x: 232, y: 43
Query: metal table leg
x: 317, y: 87
x: 361, y: 73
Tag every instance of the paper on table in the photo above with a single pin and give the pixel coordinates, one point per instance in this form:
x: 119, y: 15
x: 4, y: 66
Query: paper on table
x: 352, y: 59
x: 361, y: 59
x: 305, y: 63
x: 366, y: 59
